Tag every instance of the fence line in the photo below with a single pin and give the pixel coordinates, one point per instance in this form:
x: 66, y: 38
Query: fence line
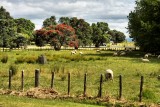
x: 37, y: 82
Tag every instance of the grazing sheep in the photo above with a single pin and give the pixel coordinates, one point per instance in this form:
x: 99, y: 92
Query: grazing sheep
x: 146, y: 56
x: 122, y: 53
x: 115, y: 54
x: 145, y: 60
x: 98, y: 51
x: 73, y: 52
x: 158, y: 56
x: 81, y: 53
x: 109, y: 74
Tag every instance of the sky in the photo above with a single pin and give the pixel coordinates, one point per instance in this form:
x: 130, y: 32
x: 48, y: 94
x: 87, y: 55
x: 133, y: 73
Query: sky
x: 113, y: 12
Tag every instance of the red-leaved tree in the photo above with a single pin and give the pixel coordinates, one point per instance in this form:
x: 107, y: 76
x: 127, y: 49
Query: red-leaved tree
x: 57, y: 36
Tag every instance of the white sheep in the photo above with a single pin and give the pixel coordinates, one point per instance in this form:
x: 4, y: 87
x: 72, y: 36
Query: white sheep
x: 98, y: 51
x: 109, y: 74
x: 158, y: 56
x: 115, y: 54
x: 145, y: 60
x: 146, y: 55
x: 81, y: 53
x: 73, y: 52
x: 122, y: 53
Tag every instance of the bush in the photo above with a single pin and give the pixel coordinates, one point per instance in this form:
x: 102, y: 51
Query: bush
x: 27, y: 59
x: 4, y: 59
x: 14, y: 69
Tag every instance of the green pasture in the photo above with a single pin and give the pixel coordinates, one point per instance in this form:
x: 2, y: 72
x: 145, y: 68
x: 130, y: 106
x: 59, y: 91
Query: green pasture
x: 91, y: 62
x: 14, y: 101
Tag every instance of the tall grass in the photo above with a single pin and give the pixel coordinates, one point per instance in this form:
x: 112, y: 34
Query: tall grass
x: 92, y: 63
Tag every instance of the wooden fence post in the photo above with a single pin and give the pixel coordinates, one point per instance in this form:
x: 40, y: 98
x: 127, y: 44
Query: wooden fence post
x: 120, y: 86
x: 36, y: 77
x: 22, y: 80
x: 85, y: 81
x: 52, y: 80
x: 10, y: 79
x: 141, y: 89
x: 100, y: 86
x: 69, y: 83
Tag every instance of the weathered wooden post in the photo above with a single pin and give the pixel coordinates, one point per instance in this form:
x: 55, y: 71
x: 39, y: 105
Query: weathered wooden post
x: 52, y: 80
x: 22, y: 80
x: 141, y: 89
x: 85, y: 86
x: 69, y: 83
x: 120, y: 86
x: 100, y: 86
x: 37, y: 77
x: 10, y: 79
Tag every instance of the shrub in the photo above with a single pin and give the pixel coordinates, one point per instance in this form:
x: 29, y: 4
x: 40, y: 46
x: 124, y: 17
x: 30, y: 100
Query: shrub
x: 4, y: 59
x: 27, y: 59
x: 14, y: 69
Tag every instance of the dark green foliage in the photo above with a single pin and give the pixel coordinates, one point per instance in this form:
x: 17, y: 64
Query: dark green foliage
x: 144, y: 25
x: 117, y: 36
x: 49, y: 22
x: 24, y: 26
x: 14, y: 32
x: 100, y: 34
x: 4, y: 14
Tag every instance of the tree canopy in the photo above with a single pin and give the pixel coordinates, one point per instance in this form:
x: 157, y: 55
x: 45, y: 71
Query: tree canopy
x: 68, y: 31
x: 144, y: 25
x: 14, y: 32
x: 100, y: 33
x: 56, y: 36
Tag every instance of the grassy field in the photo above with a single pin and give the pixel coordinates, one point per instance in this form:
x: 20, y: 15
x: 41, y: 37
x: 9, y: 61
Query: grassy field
x: 129, y: 66
x: 14, y: 101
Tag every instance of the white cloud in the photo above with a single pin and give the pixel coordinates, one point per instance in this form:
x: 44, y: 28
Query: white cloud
x: 114, y: 12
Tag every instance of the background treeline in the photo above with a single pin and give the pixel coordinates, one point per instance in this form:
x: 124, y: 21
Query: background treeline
x: 144, y: 25
x: 68, y: 31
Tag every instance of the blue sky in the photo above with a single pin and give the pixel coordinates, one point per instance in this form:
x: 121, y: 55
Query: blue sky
x: 113, y: 12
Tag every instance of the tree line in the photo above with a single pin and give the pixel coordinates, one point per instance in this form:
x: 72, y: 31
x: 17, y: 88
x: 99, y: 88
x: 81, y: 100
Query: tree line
x: 144, y: 25
x: 74, y: 32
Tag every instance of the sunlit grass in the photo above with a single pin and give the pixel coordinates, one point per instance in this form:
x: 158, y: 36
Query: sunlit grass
x: 92, y: 63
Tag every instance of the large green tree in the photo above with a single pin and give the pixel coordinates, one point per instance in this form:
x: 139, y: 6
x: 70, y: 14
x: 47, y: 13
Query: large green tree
x: 144, y: 25
x: 117, y: 36
x: 49, y: 21
x: 24, y: 29
x: 14, y: 32
x: 82, y: 28
x: 7, y: 29
x: 100, y: 33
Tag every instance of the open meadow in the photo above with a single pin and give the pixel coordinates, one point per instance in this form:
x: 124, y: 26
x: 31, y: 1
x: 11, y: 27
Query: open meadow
x: 130, y: 66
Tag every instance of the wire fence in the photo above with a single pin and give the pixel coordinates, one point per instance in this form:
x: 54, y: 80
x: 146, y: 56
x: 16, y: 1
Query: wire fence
x: 65, y: 84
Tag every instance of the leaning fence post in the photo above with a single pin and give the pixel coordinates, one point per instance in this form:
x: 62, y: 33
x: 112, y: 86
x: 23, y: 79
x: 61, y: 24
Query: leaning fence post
x: 141, y: 89
x: 69, y: 84
x: 10, y: 79
x: 52, y: 80
x: 120, y: 86
x: 85, y: 81
x: 100, y: 86
x: 36, y: 77
x: 22, y: 80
